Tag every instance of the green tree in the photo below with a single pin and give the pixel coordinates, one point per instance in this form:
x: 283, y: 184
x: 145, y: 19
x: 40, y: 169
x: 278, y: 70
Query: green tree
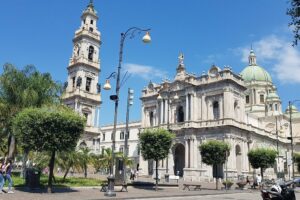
x: 297, y: 160
x: 262, y: 158
x: 294, y: 12
x: 67, y: 160
x: 21, y: 89
x: 214, y: 152
x: 84, y: 159
x: 50, y: 129
x: 155, y: 144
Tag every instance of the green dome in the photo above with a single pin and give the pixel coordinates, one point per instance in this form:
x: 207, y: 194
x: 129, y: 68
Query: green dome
x: 255, y: 73
x: 272, y: 95
x: 293, y: 108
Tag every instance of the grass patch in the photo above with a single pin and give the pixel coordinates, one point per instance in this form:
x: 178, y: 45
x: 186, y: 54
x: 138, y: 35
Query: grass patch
x: 69, y: 182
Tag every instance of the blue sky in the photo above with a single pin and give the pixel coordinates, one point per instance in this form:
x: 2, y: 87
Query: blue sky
x: 207, y: 32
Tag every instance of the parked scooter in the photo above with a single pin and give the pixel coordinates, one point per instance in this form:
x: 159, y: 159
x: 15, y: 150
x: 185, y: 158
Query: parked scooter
x: 280, y: 191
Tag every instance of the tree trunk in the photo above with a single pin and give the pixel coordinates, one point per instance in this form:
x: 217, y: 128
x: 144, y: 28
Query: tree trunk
x: 66, y: 173
x: 51, y: 166
x: 156, y: 174
x: 11, y: 146
x: 262, y: 173
x: 85, y: 171
x: 24, y: 160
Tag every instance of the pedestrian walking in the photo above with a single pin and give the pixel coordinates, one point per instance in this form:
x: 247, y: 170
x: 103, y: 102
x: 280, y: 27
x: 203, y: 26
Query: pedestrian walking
x: 1, y: 174
x: 7, y: 172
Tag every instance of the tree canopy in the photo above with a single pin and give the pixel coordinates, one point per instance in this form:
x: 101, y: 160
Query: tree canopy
x: 213, y: 152
x: 22, y: 89
x: 50, y: 129
x: 262, y: 158
x: 294, y: 12
x: 155, y: 144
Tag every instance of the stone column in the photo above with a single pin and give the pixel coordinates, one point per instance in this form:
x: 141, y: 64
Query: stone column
x: 186, y: 107
x: 161, y: 112
x: 195, y: 157
x: 192, y: 153
x: 186, y: 154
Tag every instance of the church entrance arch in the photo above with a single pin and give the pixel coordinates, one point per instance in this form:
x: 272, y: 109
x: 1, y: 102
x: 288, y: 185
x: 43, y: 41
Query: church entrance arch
x: 179, y: 159
x: 238, y: 154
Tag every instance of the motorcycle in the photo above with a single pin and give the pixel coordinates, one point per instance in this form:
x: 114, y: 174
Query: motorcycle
x: 280, y: 191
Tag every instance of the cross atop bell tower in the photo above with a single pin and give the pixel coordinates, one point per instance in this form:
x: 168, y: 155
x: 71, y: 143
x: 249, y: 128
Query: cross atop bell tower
x: 82, y: 90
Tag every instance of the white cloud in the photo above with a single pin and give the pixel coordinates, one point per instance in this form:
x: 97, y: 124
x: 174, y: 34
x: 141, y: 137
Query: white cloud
x: 279, y: 54
x: 144, y: 71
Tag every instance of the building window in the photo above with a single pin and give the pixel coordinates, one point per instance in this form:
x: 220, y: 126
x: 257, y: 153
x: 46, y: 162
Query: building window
x: 92, y: 21
x: 91, y: 53
x: 276, y: 107
x: 122, y: 135
x: 235, y: 109
x: 102, y: 150
x: 180, y: 114
x: 128, y: 134
x: 262, y: 98
x: 270, y: 107
x: 247, y: 99
x: 164, y: 111
x: 151, y: 118
x: 88, y: 84
x: 91, y: 29
x: 103, y: 139
x: 86, y: 115
x: 73, y: 81
x: 216, y: 111
x: 121, y: 149
x: 84, y: 21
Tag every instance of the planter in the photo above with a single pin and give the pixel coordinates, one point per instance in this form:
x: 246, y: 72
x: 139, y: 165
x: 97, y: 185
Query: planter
x: 228, y: 185
x: 241, y: 185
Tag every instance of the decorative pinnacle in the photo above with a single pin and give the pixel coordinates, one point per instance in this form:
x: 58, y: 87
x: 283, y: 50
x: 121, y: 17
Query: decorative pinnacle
x: 181, y: 58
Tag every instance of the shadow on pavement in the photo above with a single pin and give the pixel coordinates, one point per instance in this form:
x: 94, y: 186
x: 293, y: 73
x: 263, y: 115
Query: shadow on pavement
x: 44, y: 190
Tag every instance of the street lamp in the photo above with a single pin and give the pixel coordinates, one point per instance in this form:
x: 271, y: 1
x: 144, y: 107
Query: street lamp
x: 146, y: 39
x: 291, y: 137
x: 129, y: 103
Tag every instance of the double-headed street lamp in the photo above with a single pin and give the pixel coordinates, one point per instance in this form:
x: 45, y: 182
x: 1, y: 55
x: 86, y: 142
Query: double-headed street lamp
x: 291, y: 137
x: 146, y: 39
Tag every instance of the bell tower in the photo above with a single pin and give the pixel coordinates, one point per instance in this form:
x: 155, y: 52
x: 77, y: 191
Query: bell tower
x: 82, y: 90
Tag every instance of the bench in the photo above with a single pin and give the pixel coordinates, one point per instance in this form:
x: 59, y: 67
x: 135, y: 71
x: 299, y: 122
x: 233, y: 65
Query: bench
x: 104, y: 186
x: 192, y: 184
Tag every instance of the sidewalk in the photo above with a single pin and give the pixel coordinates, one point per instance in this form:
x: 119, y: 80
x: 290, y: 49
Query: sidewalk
x: 93, y: 193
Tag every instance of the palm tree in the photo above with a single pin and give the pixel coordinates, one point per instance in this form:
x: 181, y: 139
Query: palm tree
x: 68, y: 160
x: 84, y: 159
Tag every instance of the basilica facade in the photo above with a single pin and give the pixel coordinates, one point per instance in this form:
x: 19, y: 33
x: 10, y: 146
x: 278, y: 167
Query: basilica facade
x: 242, y: 109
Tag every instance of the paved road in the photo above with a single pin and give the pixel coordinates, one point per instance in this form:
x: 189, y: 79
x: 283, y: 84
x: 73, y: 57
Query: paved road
x: 235, y: 196
x: 135, y: 193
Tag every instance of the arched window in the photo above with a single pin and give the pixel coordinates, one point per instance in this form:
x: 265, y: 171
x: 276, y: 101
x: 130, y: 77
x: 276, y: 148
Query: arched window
x: 216, y: 111
x: 235, y: 109
x: 180, y: 114
x: 91, y: 53
x: 151, y: 118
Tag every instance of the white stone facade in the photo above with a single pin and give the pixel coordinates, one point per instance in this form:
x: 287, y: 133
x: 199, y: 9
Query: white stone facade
x: 82, y: 91
x: 213, y: 107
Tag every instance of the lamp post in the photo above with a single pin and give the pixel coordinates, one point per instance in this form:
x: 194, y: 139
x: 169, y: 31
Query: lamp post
x: 129, y: 103
x: 291, y: 137
x: 146, y: 39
